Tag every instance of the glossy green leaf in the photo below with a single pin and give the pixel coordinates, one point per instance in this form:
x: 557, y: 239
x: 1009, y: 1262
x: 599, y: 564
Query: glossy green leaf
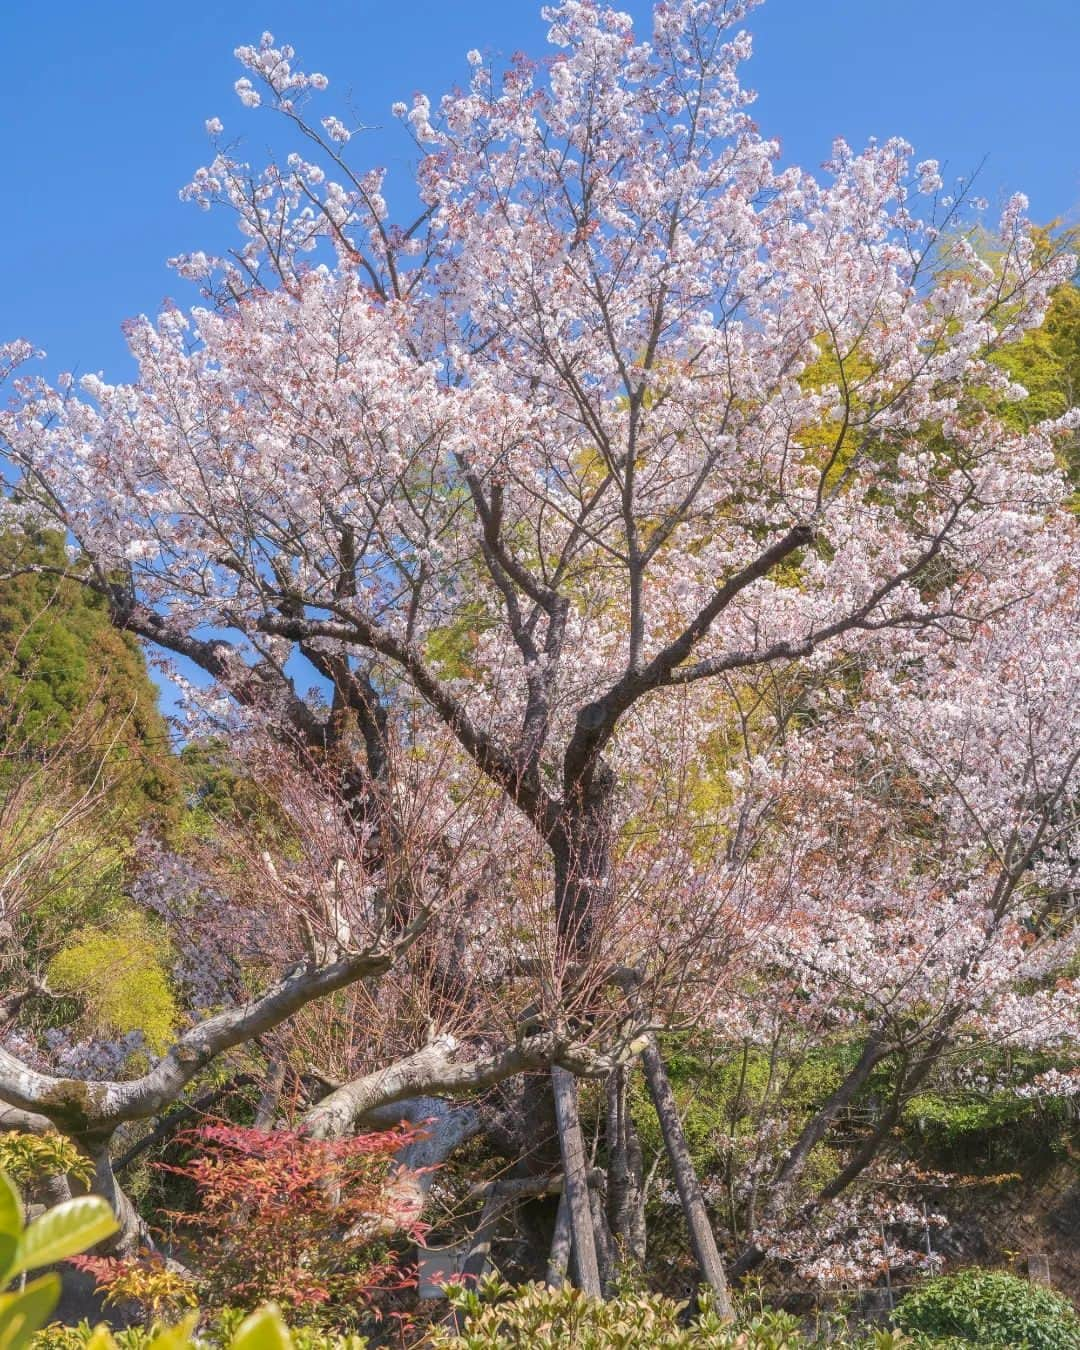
x: 11, y: 1222
x: 27, y: 1311
x: 179, y: 1337
x: 101, y: 1338
x: 63, y: 1231
x: 263, y: 1330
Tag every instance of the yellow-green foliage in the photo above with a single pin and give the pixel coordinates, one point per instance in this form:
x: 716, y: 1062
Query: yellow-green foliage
x: 1046, y: 361
x: 120, y: 975
x: 720, y: 1093
x: 499, y: 1317
x: 31, y: 1158
x: 87, y: 883
x: 831, y: 444
x: 450, y: 648
x: 263, y: 1330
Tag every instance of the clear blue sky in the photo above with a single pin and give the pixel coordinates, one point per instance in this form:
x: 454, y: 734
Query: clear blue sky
x: 103, y: 102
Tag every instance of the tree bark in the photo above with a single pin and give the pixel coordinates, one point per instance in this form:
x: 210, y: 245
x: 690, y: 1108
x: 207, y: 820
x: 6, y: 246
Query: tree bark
x: 168, y: 1125
x: 812, y: 1134
x: 134, y: 1234
x: 863, y: 1156
x: 702, y: 1241
x: 575, y: 1174
x: 607, y: 1260
x: 559, y: 1259
x: 270, y: 1097
x: 625, y: 1191
x: 81, y: 1107
x: 430, y: 1072
x: 581, y: 854
x: 866, y: 1153
x: 442, y: 1129
x: 476, y: 1262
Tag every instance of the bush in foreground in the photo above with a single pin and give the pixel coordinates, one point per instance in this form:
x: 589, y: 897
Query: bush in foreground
x: 989, y: 1308
x: 496, y: 1317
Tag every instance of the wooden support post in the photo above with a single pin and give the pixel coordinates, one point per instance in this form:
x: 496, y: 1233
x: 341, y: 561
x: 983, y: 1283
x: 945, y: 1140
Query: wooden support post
x: 702, y: 1242
x: 575, y: 1174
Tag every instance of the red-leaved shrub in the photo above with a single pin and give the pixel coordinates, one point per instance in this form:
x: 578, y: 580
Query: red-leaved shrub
x: 311, y: 1224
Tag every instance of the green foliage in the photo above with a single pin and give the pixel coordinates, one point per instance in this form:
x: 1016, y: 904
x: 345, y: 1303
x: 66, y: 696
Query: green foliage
x: 496, y: 1316
x: 57, y: 1336
x: 215, y: 789
x: 222, y: 1333
x: 29, y: 1159
x: 226, y: 1321
x: 1046, y: 360
x: 721, y: 1088
x: 449, y: 649
x: 120, y: 975
x: 87, y: 884
x: 67, y: 664
x: 55, y: 1235
x: 989, y: 1308
x: 953, y: 1121
x: 953, y: 1125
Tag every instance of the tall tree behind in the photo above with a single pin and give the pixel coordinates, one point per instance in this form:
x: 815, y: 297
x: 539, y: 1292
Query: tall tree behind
x: 67, y: 660
x: 1046, y: 360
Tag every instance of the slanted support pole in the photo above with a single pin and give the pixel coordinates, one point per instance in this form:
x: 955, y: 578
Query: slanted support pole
x: 575, y: 1173
x: 702, y: 1242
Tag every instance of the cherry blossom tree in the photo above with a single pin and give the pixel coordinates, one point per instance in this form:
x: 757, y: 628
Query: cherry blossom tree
x: 932, y: 832
x: 623, y: 411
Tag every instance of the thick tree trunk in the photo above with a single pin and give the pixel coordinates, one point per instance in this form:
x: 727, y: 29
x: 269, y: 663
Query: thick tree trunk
x: 133, y: 1234
x: 443, y: 1128
x: 702, y: 1241
x: 581, y: 852
x: 575, y: 1173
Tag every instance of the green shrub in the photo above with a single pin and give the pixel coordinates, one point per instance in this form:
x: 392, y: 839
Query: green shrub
x: 222, y: 1334
x: 989, y: 1308
x: 498, y: 1317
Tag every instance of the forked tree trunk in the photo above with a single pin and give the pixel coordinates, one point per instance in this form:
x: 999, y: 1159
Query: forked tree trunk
x: 575, y: 1174
x: 702, y: 1241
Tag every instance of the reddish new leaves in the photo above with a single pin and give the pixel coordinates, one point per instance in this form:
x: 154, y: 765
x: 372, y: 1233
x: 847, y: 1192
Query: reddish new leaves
x: 304, y: 1222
